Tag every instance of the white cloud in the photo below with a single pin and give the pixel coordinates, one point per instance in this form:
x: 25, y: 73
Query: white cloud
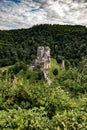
x: 30, y: 12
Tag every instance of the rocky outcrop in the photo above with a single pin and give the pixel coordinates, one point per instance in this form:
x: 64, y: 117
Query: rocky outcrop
x: 47, y: 78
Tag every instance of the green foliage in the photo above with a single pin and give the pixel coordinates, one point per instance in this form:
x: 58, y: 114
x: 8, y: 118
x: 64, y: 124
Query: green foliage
x: 71, y: 120
x: 60, y: 59
x: 55, y: 71
x: 21, y: 45
x: 27, y: 102
x: 54, y: 65
x: 20, y: 119
x: 83, y: 66
x: 17, y: 67
x: 38, y: 66
x: 40, y: 76
x: 67, y: 64
x: 39, y: 106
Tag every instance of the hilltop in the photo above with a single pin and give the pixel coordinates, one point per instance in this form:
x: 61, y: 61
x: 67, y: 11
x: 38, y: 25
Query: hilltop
x: 66, y: 42
x: 27, y: 101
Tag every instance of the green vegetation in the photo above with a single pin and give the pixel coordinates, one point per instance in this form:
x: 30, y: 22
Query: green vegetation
x: 27, y: 102
x: 66, y: 42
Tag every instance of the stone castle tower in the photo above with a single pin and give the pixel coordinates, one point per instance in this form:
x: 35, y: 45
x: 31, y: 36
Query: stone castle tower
x: 42, y: 61
x: 43, y: 58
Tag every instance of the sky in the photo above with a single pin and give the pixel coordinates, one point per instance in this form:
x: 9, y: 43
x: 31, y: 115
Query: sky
x: 15, y: 14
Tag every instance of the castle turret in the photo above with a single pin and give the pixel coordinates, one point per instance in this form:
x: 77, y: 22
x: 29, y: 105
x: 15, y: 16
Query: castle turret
x: 43, y: 57
x: 40, y: 53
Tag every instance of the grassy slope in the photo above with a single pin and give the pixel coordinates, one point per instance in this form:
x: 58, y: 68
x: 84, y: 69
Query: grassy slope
x: 32, y: 76
x: 54, y: 65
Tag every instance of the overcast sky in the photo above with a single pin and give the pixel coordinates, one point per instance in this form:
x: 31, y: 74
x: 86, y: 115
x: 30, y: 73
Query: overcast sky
x: 26, y: 13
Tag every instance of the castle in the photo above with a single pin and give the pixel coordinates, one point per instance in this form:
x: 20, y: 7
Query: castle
x: 42, y: 61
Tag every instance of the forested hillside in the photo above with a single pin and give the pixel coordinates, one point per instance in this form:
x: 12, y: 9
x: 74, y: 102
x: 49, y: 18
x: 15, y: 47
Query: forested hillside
x: 66, y: 42
x: 27, y: 102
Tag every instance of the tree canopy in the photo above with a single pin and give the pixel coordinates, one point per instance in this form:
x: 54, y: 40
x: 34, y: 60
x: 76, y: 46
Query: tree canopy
x: 70, y: 42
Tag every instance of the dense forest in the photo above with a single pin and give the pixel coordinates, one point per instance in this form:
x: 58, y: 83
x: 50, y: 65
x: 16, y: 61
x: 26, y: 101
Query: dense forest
x: 27, y: 102
x: 66, y: 42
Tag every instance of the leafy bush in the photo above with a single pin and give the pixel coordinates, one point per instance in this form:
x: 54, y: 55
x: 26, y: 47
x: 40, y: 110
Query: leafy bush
x: 55, y: 71
x: 28, y: 102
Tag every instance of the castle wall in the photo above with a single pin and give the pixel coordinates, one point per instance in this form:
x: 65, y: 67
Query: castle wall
x: 40, y: 52
x: 43, y: 57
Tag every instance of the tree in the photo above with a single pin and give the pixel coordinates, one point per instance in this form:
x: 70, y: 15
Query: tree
x: 55, y: 71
